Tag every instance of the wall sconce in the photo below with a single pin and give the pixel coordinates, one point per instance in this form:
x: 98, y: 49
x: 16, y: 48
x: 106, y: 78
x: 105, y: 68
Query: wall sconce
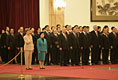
x: 59, y: 4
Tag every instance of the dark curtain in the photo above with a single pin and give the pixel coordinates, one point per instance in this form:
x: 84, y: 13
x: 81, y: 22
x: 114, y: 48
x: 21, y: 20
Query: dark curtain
x: 16, y: 13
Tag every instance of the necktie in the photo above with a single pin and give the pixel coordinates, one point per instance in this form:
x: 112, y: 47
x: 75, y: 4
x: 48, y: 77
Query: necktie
x: 65, y: 36
x: 96, y: 33
x: 106, y: 35
x: 115, y: 35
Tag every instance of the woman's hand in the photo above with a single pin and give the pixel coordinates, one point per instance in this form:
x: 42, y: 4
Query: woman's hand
x: 33, y: 51
x: 71, y: 47
x: 46, y: 52
x: 39, y: 52
x: 9, y: 48
x: 60, y: 49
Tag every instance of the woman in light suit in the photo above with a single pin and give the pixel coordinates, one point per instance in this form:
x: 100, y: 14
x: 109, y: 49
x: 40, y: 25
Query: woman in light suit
x: 28, y: 49
x: 42, y: 49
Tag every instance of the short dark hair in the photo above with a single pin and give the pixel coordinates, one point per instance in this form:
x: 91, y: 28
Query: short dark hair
x: 87, y: 26
x: 112, y: 28
x: 66, y: 26
x: 105, y: 27
x: 43, y: 28
x: 76, y: 26
x: 73, y: 27
x: 99, y: 27
x: 58, y: 25
x: 46, y: 26
x: 84, y: 27
x: 52, y: 27
x: 41, y: 33
x: 79, y: 27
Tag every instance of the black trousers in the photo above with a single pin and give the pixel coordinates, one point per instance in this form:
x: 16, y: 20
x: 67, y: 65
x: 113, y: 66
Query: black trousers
x: 11, y: 55
x: 4, y: 55
x: 114, y: 55
x: 85, y: 56
x: 55, y: 56
x: 63, y: 57
x: 48, y: 55
x: 35, y: 56
x: 105, y: 54
x: 75, y: 57
x: 19, y: 57
x: 100, y: 54
x: 95, y: 56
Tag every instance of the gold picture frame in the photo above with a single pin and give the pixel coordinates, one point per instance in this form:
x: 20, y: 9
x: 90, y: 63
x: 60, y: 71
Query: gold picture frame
x: 104, y: 10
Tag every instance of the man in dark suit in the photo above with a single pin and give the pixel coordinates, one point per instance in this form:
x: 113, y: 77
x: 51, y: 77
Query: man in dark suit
x: 55, y: 48
x: 11, y: 45
x: 4, y: 45
x: 19, y: 43
x: 74, y: 46
x: 64, y: 46
x: 95, y: 45
x: 49, y: 44
x: 1, y: 50
x: 99, y: 31
x: 35, y: 54
x: 68, y: 31
x: 114, y: 45
x: 105, y: 44
x: 85, y: 45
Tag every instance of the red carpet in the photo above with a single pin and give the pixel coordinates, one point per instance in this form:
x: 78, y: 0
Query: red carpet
x: 69, y: 71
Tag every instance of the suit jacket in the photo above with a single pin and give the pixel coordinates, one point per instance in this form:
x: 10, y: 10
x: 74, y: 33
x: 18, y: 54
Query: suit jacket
x: 34, y: 36
x: 48, y: 38
x: 74, y: 41
x: 19, y: 40
x: 63, y: 42
x: 94, y: 39
x: 113, y: 40
x: 84, y: 40
x: 105, y: 40
x: 69, y: 38
x: 37, y: 36
x: 4, y: 39
x: 41, y: 45
x: 28, y: 40
x: 55, y: 41
x: 11, y: 41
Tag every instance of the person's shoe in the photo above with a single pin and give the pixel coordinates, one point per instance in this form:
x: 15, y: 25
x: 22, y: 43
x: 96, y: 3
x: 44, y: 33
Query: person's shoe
x: 61, y: 64
x: 43, y: 68
x: 30, y: 68
x: 27, y: 68
x: 65, y: 65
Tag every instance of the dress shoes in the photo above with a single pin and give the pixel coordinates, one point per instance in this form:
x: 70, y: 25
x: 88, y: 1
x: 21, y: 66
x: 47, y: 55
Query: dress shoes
x: 28, y: 68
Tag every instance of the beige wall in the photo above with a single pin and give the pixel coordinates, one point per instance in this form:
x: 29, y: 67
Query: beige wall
x: 44, y: 12
x: 76, y: 12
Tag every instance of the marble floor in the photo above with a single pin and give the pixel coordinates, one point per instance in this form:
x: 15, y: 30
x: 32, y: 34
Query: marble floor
x: 108, y: 68
x: 34, y: 77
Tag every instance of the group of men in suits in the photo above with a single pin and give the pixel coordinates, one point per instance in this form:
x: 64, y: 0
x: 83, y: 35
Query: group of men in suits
x: 71, y: 45
x: 66, y: 46
x: 11, y: 44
